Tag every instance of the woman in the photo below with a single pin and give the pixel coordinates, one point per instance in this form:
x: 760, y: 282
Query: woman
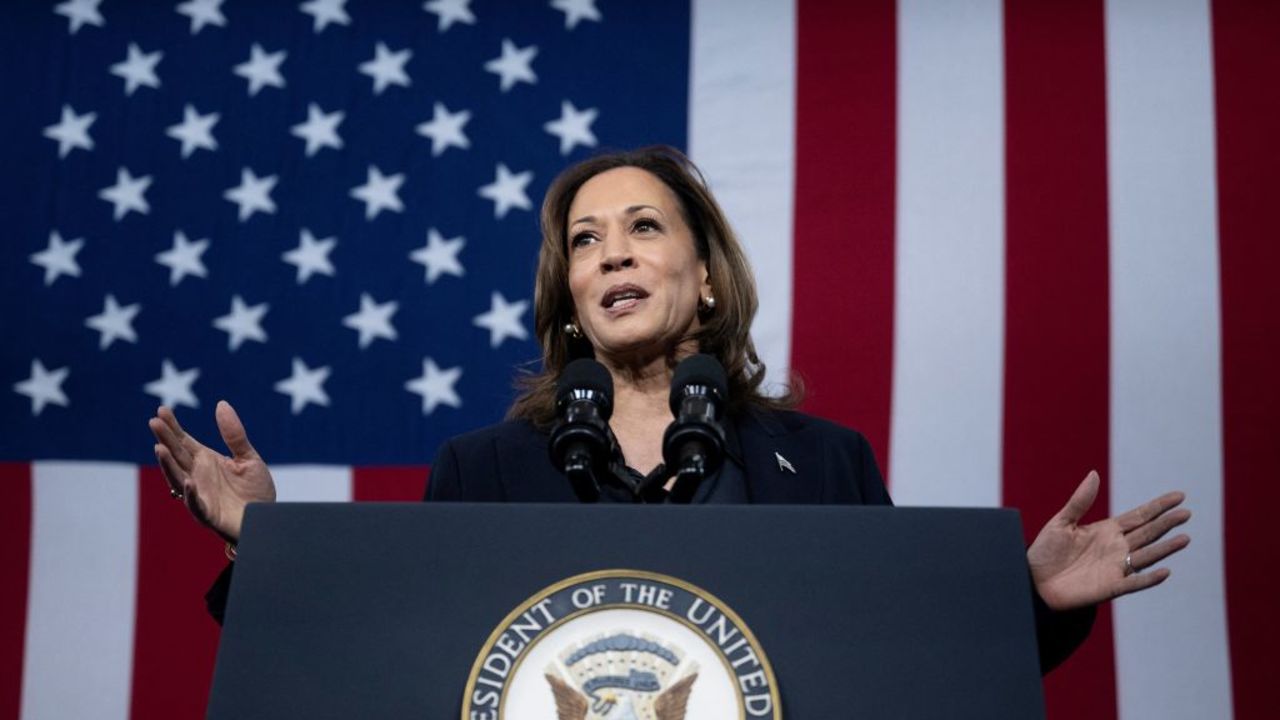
x: 639, y: 269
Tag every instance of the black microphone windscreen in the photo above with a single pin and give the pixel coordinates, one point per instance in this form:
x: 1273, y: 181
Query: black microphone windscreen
x: 699, y: 369
x: 584, y: 374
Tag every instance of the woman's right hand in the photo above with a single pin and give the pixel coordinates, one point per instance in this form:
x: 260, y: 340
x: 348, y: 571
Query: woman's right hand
x: 214, y: 487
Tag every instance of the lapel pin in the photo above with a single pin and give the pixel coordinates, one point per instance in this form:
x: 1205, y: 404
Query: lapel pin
x: 783, y: 463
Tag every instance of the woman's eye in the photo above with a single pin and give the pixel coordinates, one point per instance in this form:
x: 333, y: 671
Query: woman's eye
x: 645, y: 226
x: 580, y: 239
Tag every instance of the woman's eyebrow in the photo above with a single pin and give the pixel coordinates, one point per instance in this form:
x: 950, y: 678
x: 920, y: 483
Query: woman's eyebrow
x: 592, y: 219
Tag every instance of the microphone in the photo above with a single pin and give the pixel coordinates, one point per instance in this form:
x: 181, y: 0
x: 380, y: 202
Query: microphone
x: 581, y: 444
x: 693, y: 445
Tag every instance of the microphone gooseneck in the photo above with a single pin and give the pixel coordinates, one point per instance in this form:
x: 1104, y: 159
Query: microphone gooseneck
x: 693, y: 445
x: 581, y: 444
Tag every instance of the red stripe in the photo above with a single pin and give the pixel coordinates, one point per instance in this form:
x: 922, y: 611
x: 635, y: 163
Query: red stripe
x: 842, y: 329
x: 15, y: 558
x: 175, y: 641
x: 390, y: 484
x: 1246, y: 42
x: 1056, y: 309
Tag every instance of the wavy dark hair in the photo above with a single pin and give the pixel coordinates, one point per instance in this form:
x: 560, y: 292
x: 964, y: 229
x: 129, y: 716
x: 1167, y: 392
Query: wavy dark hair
x: 724, y: 332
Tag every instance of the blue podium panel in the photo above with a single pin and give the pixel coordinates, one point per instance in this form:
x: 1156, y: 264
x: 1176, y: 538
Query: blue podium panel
x: 535, y: 611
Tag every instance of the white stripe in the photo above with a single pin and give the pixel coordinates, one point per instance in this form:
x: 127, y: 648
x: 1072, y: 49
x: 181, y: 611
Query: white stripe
x: 312, y: 483
x: 84, y: 551
x: 1166, y: 427
x: 949, y: 288
x: 741, y: 133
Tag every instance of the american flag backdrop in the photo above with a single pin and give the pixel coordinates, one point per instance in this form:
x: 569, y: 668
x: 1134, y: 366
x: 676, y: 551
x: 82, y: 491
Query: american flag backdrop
x: 1009, y: 241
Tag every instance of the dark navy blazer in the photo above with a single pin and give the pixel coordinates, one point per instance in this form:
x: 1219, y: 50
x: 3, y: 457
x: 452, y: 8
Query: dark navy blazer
x: 772, y: 458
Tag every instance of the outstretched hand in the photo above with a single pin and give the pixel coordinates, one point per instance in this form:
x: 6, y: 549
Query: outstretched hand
x: 1074, y: 565
x: 214, y: 487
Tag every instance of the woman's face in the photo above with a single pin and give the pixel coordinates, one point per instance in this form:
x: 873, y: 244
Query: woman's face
x: 634, y: 272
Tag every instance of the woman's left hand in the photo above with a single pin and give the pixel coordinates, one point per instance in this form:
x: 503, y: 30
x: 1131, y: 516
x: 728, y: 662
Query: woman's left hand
x: 1075, y: 565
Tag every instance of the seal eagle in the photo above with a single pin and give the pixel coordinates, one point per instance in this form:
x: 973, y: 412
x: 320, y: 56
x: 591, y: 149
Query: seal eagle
x: 573, y: 705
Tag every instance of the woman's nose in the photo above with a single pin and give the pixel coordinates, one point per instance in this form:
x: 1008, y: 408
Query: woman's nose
x: 617, y: 253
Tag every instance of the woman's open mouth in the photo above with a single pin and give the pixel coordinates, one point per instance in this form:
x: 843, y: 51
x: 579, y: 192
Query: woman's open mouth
x: 620, y: 298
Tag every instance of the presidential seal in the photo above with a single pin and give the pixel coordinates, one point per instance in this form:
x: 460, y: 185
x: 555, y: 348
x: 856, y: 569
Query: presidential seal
x: 621, y: 645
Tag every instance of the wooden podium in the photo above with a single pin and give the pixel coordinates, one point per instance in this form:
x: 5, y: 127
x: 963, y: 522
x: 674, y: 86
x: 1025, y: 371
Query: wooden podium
x: 387, y: 610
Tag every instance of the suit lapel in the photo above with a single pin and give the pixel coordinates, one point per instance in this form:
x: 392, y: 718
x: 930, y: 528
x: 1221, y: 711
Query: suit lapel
x: 524, y: 470
x: 783, y: 465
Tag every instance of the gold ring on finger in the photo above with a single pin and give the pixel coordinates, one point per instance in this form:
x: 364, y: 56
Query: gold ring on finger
x: 1129, y: 569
